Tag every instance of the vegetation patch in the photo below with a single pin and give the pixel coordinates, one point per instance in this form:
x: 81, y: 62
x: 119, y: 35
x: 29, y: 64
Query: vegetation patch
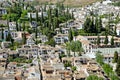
x: 19, y: 60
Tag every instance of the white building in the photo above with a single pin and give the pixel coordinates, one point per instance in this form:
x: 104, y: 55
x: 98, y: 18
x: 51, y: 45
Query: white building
x: 12, y: 26
x: 39, y: 14
x: 17, y: 36
x: 89, y: 46
x: 30, y: 41
x: 118, y: 30
x: 61, y: 38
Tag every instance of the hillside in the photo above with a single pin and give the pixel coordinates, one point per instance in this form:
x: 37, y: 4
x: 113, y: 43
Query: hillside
x: 74, y: 3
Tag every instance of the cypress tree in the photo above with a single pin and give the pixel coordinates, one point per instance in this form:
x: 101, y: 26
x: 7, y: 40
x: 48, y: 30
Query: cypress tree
x: 99, y: 26
x: 87, y: 25
x: 70, y: 36
x: 36, y: 34
x: 98, y: 40
x: 115, y: 33
x: 91, y: 26
x: 72, y: 15
x: 67, y: 13
x: 62, y: 6
x: 9, y: 37
x: 23, y: 26
x: 49, y: 17
x: 96, y: 24
x: 8, y: 24
x: 56, y: 12
x: 24, y: 38
x: 16, y: 25
x: 60, y: 29
x: 118, y: 67
x: 106, y: 40
x: 44, y: 8
x: 54, y: 24
x: 115, y: 59
x: 2, y: 34
x: 36, y: 16
x: 12, y: 41
x: 57, y: 23
x: 42, y: 17
x: 112, y: 41
x: 30, y: 17
x: 108, y: 26
x: 19, y: 25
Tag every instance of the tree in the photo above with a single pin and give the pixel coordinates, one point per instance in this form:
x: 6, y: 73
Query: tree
x: 96, y: 24
x: 55, y: 23
x: 115, y: 59
x: 115, y: 32
x: 74, y: 68
x: 42, y: 17
x: 19, y: 21
x: 94, y: 77
x: 70, y: 35
x: 67, y: 13
x: 106, y: 40
x: 75, y: 33
x: 118, y: 67
x: 36, y: 31
x: 12, y: 41
x: 92, y: 26
x: 16, y: 25
x: 112, y: 41
x: 56, y: 12
x: 49, y: 18
x: 68, y: 48
x: 67, y: 64
x: 51, y: 42
x: 74, y: 46
x: 23, y: 26
x: 99, y: 58
x: 24, y: 38
x: 78, y: 47
x: 8, y: 24
x: 108, y: 26
x: 98, y: 40
x: 30, y: 17
x: 89, y: 26
x: 2, y: 34
x: 37, y: 16
x: 99, y: 27
x: 72, y: 15
x: 8, y: 37
x: 44, y: 9
x: 108, y: 69
x: 61, y: 55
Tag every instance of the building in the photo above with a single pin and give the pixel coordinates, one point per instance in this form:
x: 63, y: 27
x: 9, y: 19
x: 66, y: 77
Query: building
x: 30, y: 41
x: 3, y: 11
x: 89, y: 45
x: 5, y: 44
x: 108, y: 58
x: 12, y: 26
x: 39, y: 14
x: 61, y: 38
x: 18, y: 35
